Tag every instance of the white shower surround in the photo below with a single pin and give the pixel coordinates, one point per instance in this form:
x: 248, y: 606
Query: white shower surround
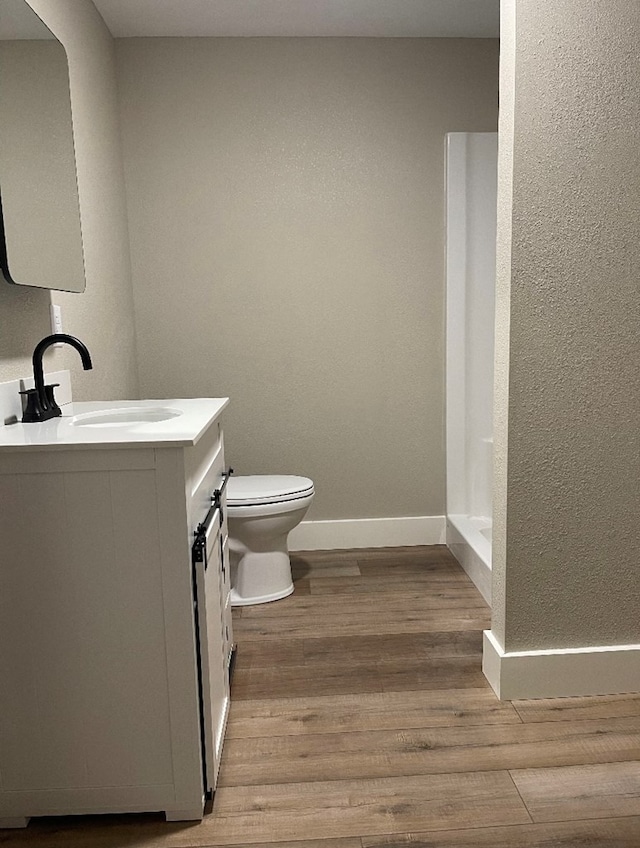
x: 471, y: 193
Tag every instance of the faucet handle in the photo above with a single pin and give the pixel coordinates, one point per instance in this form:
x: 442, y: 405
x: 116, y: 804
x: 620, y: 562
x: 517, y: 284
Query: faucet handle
x: 52, y: 406
x: 33, y: 410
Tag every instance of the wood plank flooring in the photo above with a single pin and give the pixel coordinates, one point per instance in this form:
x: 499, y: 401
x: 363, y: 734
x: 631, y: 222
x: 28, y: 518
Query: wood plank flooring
x: 361, y: 719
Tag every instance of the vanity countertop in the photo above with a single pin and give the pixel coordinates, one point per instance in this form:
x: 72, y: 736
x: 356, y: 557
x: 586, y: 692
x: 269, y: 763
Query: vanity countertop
x: 190, y: 419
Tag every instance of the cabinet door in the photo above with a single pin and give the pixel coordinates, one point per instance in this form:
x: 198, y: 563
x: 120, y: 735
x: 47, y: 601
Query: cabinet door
x: 213, y: 667
x: 225, y: 588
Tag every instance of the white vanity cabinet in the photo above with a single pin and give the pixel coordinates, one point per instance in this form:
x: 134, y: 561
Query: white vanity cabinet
x: 115, y: 646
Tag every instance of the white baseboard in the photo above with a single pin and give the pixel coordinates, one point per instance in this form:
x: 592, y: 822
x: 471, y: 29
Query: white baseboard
x: 560, y: 673
x: 368, y: 533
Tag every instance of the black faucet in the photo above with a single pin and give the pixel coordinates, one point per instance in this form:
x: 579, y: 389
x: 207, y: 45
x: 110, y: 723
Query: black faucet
x: 41, y: 403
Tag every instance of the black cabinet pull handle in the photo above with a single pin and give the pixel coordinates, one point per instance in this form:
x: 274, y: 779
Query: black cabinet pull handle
x: 199, y: 548
x: 217, y: 493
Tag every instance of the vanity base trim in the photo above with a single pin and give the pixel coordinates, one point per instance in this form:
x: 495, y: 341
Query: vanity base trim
x: 183, y: 815
x: 13, y: 822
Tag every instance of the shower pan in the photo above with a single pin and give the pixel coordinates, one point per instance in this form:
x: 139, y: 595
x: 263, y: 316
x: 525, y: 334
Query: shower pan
x: 471, y: 197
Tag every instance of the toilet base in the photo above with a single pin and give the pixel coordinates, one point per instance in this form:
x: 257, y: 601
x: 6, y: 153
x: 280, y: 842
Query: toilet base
x: 258, y: 577
x: 237, y: 601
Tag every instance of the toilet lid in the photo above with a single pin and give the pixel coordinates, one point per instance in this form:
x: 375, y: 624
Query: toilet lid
x: 266, y: 488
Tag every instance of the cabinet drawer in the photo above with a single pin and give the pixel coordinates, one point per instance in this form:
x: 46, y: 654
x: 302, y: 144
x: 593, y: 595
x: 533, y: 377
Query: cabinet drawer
x: 204, y: 469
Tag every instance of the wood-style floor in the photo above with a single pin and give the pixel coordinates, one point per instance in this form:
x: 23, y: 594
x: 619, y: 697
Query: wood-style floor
x: 361, y: 719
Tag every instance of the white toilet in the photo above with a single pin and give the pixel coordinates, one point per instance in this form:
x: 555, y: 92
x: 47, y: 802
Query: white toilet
x: 262, y: 510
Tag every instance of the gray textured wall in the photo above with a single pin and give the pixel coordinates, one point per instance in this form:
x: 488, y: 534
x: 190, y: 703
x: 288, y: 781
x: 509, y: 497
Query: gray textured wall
x: 286, y: 207
x: 102, y: 316
x: 566, y: 561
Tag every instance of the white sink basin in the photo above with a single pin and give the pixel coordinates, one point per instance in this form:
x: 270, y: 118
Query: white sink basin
x: 125, y: 417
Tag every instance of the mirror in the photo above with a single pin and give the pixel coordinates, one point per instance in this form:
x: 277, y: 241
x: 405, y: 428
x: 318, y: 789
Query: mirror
x: 40, y: 235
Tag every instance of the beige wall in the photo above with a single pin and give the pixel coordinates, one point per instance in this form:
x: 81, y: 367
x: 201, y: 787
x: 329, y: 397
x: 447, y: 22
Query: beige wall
x: 566, y: 556
x: 286, y: 207
x: 103, y: 315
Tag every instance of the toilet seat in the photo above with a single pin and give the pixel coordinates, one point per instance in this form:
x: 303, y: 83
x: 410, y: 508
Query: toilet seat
x: 263, y: 489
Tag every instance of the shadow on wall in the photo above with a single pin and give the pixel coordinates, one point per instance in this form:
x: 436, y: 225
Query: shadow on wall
x: 24, y: 320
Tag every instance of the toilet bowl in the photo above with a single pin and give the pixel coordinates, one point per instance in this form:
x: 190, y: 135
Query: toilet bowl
x: 262, y: 510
